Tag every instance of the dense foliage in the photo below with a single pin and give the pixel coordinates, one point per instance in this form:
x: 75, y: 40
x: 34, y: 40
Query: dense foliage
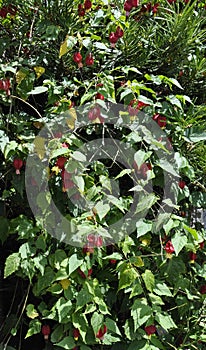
x: 103, y: 173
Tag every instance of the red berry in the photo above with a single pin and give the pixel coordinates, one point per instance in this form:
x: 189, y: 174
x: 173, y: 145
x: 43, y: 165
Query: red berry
x: 113, y: 38
x: 89, y: 60
x: 181, y: 184
x: 77, y: 58
x: 101, y: 332
x: 99, y: 96
x: 169, y: 247
x: 87, y: 4
x: 150, y: 329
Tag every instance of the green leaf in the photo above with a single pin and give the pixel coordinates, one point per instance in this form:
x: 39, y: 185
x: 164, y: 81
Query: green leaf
x: 143, y: 227
x: 80, y: 321
x: 4, y: 232
x: 67, y: 343
x: 168, y: 167
x: 78, y: 156
x: 140, y: 312
x: 12, y: 264
x: 127, y: 277
x: 31, y: 311
x: 97, y: 321
x: 112, y: 326
x: 149, y: 280
x: 63, y: 307
x: 179, y: 241
x: 141, y: 156
x: 165, y: 321
x: 34, y: 328
x: 162, y: 289
x: 57, y: 334
x: 74, y: 263
x: 102, y: 209
x: 123, y: 172
x: 191, y: 230
x: 38, y: 90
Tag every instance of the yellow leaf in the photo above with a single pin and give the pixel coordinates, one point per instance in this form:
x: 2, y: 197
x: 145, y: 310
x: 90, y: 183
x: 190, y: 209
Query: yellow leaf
x: 39, y: 71
x: 65, y: 283
x: 39, y: 144
x: 71, y: 118
x: 20, y: 76
x: 63, y: 48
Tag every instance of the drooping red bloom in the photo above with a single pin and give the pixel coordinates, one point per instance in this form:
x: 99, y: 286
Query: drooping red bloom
x: 143, y: 169
x: 119, y: 32
x: 128, y: 5
x: 60, y: 162
x: 150, y: 329
x: 160, y: 119
x: 11, y: 9
x: 89, y: 60
x: 113, y: 38
x: 5, y: 85
x: 132, y: 108
x: 155, y: 8
x: 82, y: 274
x: 203, y: 289
x: 94, y: 113
x: 169, y: 247
x: 135, y: 3
x: 112, y: 261
x: 99, y: 96
x: 95, y: 240
x: 201, y: 244
x: 181, y: 184
x: 77, y: 58
x: 171, y: 1
x: 76, y: 333
x: 81, y: 10
x: 46, y: 330
x: 18, y: 164
x: 101, y: 332
x: 192, y: 256
x: 66, y: 178
x: 87, y: 4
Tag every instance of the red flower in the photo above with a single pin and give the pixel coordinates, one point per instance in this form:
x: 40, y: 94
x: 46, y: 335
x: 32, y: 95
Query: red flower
x: 8, y: 9
x: 5, y: 85
x: 46, y: 331
x: 135, y: 3
x: 128, y: 5
x: 181, y: 184
x: 119, y: 32
x: 101, y: 332
x: 113, y: 38
x: 161, y: 120
x: 201, y: 244
x: 77, y: 58
x: 18, y: 164
x: 155, y: 8
x: 3, y: 12
x: 112, y: 261
x: 60, y: 162
x: 76, y: 333
x: 99, y: 96
x: 95, y: 240
x: 169, y: 247
x: 88, y: 248
x: 82, y: 274
x: 66, y: 178
x: 171, y: 1
x: 203, y: 289
x: 150, y: 329
x: 81, y: 10
x: 89, y: 60
x: 132, y: 110
x: 192, y: 256
x: 94, y: 113
x: 87, y: 4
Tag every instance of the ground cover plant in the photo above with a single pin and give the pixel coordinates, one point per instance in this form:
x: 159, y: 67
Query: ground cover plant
x: 102, y: 125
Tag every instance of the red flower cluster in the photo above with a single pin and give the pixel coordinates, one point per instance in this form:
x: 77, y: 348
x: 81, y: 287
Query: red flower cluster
x: 46, y: 331
x: 129, y: 4
x: 150, y: 329
x: 161, y: 120
x: 95, y: 113
x: 18, y: 164
x: 11, y: 9
x: 115, y: 36
x: 93, y: 241
x: 135, y: 106
x: 169, y: 248
x: 77, y: 58
x: 101, y: 332
x: 5, y: 85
